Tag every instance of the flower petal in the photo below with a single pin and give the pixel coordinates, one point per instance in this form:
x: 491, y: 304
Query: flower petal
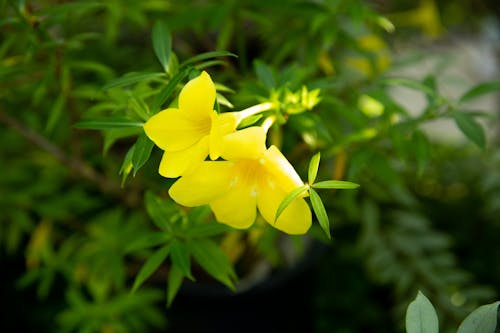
x: 248, y: 143
x: 222, y: 124
x: 237, y: 208
x: 171, y: 130
x: 177, y: 163
x: 211, y: 180
x: 296, y: 219
x: 198, y: 96
x: 282, y: 171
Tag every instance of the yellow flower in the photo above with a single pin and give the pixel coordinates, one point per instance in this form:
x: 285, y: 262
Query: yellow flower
x: 251, y: 178
x: 190, y: 132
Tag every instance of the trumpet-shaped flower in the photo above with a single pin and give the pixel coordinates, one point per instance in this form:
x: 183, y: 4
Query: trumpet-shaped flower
x: 252, y: 178
x: 190, y: 132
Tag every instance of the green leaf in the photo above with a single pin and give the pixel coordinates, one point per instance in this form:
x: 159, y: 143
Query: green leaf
x: 150, y: 266
x: 335, y: 184
x: 288, y: 200
x: 179, y: 255
x: 470, y: 128
x: 175, y: 278
x: 142, y: 151
x: 107, y: 123
x: 147, y: 240
x: 265, y: 74
x: 161, y: 211
x: 320, y: 211
x: 421, y: 316
x: 55, y: 113
x: 213, y: 260
x: 131, y: 78
x: 422, y: 150
x: 207, y: 55
x: 162, y: 43
x: 409, y: 83
x: 208, y: 229
x: 313, y: 168
x: 481, y: 320
x: 127, y: 165
x: 140, y: 108
x: 165, y: 93
x: 479, y: 90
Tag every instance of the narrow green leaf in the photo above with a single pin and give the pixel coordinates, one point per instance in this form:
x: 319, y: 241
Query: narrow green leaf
x: 207, y: 55
x: 249, y: 120
x: 213, y: 260
x: 421, y: 148
x: 421, y: 316
x: 320, y: 211
x: 313, y: 168
x: 288, y: 200
x: 175, y: 278
x: 55, y: 113
x: 265, y: 74
x: 162, y: 43
x: 208, y: 229
x: 179, y: 254
x: 142, y: 151
x: 140, y: 108
x: 131, y: 78
x: 479, y: 90
x: 150, y: 266
x: 335, y: 184
x: 126, y: 166
x: 107, y: 123
x: 148, y: 240
x: 161, y: 211
x: 470, y: 128
x: 165, y: 93
x: 209, y: 63
x: 409, y: 83
x: 481, y: 320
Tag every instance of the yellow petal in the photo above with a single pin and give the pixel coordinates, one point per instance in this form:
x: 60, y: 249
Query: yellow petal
x: 296, y: 219
x: 248, y: 143
x: 210, y: 181
x: 171, y: 130
x: 237, y: 208
x: 198, y: 96
x: 284, y: 175
x: 222, y: 124
x: 177, y: 163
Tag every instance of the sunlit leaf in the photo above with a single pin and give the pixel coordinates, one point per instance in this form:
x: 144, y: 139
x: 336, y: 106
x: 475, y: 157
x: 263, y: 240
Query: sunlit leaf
x: 289, y: 198
x: 150, y: 266
x: 142, y: 151
x: 320, y: 211
x: 313, y: 168
x: 127, y: 165
x: 162, y: 43
x: 481, y: 320
x: 335, y: 184
x: 470, y: 128
x: 421, y: 316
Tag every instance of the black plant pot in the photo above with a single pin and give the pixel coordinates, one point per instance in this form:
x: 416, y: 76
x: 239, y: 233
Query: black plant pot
x: 280, y: 303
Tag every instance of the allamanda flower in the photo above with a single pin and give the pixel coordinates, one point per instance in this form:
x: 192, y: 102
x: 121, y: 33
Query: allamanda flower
x: 194, y: 130
x: 251, y: 178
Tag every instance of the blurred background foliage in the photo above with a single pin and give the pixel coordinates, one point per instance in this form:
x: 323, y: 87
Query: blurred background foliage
x: 74, y: 234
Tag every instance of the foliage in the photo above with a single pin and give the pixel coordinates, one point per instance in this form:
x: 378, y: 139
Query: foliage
x: 84, y: 208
